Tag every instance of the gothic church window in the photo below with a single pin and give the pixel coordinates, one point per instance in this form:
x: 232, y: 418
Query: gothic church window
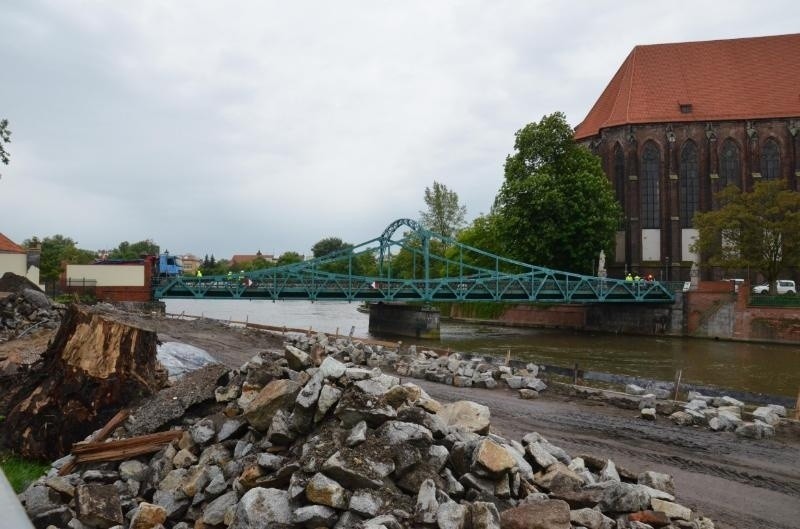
x: 619, y: 175
x: 651, y: 176
x: 770, y: 160
x: 730, y: 165
x: 689, y: 184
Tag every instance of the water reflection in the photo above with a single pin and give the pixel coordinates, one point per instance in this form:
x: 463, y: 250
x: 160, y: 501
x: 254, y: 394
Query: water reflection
x: 764, y: 368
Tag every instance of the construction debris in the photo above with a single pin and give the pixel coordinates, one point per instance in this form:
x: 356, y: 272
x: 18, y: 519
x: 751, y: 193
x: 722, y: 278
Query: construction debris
x: 286, y: 443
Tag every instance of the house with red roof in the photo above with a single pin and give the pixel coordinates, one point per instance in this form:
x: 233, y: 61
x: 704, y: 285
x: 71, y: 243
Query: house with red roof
x: 243, y: 259
x: 679, y: 122
x: 16, y: 259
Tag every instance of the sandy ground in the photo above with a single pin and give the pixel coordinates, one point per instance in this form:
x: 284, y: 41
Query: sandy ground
x: 738, y: 483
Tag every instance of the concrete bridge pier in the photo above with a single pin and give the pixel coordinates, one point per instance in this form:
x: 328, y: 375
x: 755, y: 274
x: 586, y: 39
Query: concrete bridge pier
x: 404, y: 320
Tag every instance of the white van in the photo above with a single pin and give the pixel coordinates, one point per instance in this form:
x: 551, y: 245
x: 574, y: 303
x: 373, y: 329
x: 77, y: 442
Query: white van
x: 783, y: 286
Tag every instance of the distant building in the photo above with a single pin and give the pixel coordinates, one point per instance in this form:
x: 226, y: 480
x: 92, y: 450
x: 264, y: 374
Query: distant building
x: 18, y: 260
x: 678, y: 123
x: 241, y: 259
x: 190, y: 263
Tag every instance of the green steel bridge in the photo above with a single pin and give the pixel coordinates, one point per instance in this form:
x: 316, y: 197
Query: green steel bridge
x: 442, y: 269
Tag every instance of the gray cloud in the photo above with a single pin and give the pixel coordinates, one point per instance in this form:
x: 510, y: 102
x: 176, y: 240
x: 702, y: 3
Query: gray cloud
x: 226, y: 128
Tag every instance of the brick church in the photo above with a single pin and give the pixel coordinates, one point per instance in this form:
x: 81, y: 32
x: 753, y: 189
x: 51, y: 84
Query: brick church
x: 679, y: 122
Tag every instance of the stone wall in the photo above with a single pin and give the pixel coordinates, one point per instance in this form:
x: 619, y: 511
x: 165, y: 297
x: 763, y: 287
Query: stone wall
x: 712, y: 311
x: 549, y: 316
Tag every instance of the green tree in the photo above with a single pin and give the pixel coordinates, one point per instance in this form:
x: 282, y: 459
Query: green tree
x: 212, y: 267
x: 288, y: 258
x: 328, y: 246
x: 358, y: 264
x: 758, y: 230
x: 444, y: 214
x: 55, y: 251
x: 483, y: 234
x: 556, y: 207
x: 5, y: 137
x: 136, y: 250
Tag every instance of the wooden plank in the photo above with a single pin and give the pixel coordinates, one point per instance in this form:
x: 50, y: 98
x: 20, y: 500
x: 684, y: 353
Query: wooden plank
x: 141, y: 440
x: 119, y: 454
x: 120, y: 449
x: 115, y: 421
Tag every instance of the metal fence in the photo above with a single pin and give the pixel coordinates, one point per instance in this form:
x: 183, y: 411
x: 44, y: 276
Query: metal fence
x: 784, y: 300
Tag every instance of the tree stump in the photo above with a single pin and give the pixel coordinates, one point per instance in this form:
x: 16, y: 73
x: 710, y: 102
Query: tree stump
x: 95, y: 366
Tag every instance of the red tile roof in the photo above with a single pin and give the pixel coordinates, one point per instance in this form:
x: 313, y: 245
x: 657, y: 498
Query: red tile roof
x: 240, y: 259
x: 751, y: 78
x: 9, y: 246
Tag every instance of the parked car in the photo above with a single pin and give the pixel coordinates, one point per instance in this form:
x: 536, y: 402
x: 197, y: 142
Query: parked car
x: 783, y: 286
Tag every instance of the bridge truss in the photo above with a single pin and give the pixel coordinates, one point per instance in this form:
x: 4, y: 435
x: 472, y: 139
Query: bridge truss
x: 410, y: 263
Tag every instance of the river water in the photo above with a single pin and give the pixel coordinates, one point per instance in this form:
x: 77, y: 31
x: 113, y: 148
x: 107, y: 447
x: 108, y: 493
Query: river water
x: 763, y: 368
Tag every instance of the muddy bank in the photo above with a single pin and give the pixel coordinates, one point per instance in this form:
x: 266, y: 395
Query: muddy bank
x: 739, y: 483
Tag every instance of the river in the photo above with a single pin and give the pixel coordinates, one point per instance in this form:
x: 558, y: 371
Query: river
x: 757, y: 367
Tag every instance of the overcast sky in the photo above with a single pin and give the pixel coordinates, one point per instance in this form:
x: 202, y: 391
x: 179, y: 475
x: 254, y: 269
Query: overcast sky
x: 232, y: 127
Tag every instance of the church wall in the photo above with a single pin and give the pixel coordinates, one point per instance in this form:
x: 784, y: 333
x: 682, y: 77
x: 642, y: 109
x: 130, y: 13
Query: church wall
x: 664, y: 253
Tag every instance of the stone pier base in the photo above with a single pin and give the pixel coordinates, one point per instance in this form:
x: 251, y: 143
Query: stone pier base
x: 404, y: 320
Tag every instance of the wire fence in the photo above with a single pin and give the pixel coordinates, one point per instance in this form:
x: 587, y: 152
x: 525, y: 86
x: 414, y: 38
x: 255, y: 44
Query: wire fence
x: 783, y: 300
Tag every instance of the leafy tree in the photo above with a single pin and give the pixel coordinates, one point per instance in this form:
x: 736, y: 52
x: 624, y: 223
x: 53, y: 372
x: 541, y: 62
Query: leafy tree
x: 331, y: 245
x: 288, y: 258
x: 212, y: 267
x: 444, y: 215
x: 55, y: 251
x: 483, y: 234
x: 758, y: 230
x: 556, y: 207
x: 135, y: 250
x: 328, y: 246
x: 5, y: 137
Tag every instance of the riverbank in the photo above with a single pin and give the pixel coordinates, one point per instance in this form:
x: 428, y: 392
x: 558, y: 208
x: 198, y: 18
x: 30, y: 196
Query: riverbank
x: 753, y: 367
x: 740, y: 483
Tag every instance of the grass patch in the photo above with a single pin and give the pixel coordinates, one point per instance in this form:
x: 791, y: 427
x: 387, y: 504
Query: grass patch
x: 21, y: 472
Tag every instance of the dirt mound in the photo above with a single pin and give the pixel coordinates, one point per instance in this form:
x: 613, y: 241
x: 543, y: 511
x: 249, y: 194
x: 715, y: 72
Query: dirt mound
x: 11, y: 282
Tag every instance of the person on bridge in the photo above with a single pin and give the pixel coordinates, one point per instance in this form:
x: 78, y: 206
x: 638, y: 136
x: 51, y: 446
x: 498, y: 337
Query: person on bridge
x: 199, y: 273
x: 636, y: 278
x: 629, y: 277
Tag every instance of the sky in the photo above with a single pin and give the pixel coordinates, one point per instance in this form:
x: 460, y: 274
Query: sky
x: 221, y: 128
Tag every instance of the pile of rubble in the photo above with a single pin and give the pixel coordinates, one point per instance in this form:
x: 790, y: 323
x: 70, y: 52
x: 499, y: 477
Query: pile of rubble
x: 299, y: 439
x: 469, y: 372
x: 719, y: 414
x: 724, y: 414
x: 23, y: 307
